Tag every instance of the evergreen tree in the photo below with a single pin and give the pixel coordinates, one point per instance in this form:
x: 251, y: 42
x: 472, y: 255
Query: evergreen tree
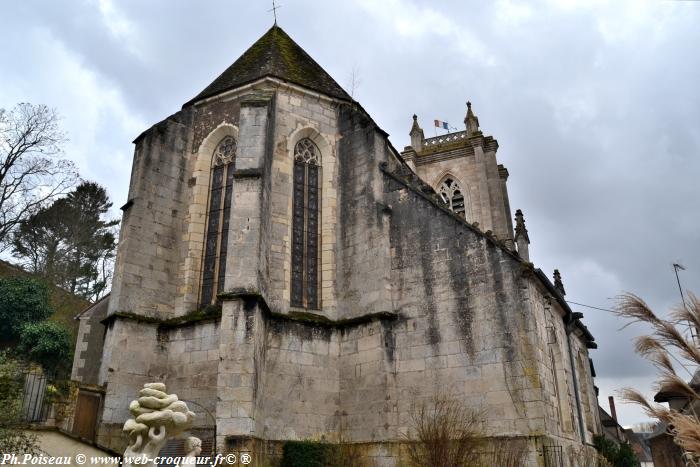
x: 91, y: 239
x: 70, y: 243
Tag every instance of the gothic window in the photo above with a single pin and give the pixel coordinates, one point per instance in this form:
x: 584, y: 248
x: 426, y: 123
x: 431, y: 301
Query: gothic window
x: 452, y: 194
x: 305, y: 229
x: 215, y: 243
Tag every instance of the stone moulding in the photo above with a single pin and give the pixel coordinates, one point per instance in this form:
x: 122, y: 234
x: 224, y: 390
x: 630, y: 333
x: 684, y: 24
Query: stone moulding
x: 211, y: 313
x: 247, y: 173
x: 214, y: 313
x: 306, y: 317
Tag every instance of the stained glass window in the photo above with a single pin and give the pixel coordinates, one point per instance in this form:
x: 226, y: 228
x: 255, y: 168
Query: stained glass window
x: 452, y: 194
x: 216, y: 239
x: 305, y: 225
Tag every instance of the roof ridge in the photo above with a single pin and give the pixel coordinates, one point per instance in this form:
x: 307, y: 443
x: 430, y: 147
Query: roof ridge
x: 277, y: 55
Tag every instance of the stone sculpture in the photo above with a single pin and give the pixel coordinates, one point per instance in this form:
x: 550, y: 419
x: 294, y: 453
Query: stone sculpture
x: 158, y: 416
x: 193, y: 448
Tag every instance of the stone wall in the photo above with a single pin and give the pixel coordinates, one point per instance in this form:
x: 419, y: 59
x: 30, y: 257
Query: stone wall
x: 133, y: 355
x: 193, y: 359
x: 300, y: 372
x: 468, y: 331
x: 150, y: 249
x: 362, y: 269
x: 89, y: 344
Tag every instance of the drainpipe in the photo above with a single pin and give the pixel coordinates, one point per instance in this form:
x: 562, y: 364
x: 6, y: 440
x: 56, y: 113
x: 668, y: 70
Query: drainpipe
x: 569, y: 328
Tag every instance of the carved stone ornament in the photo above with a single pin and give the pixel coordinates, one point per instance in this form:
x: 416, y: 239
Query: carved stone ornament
x: 158, y: 416
x: 225, y: 151
x: 306, y: 151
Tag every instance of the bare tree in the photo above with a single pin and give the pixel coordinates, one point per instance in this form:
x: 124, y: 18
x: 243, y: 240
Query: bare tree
x: 354, y: 81
x: 444, y: 432
x: 31, y: 169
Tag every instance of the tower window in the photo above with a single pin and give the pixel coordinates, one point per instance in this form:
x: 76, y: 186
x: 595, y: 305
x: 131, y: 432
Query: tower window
x: 216, y: 239
x: 452, y: 194
x: 305, y: 228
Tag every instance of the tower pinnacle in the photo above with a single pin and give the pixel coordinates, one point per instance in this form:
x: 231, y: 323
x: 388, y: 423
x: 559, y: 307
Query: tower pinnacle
x: 416, y: 133
x: 521, y: 237
x: 558, y: 284
x: 471, y: 121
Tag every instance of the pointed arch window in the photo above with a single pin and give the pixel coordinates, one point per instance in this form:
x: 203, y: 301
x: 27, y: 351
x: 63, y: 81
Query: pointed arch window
x: 216, y: 239
x: 452, y: 194
x: 305, y: 225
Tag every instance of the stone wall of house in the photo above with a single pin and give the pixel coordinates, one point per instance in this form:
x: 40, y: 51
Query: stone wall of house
x: 89, y: 343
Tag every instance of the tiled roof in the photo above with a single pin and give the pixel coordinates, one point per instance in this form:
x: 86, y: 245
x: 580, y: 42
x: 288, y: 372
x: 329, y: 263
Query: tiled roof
x: 275, y: 54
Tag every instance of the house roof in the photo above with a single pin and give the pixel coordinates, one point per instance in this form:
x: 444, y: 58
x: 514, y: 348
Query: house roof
x: 276, y: 55
x: 101, y: 303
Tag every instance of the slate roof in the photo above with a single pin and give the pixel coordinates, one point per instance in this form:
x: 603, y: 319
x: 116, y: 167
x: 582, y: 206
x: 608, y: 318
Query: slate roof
x: 274, y: 54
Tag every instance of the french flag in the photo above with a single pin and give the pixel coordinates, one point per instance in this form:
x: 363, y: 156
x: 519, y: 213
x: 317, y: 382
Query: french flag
x: 439, y: 124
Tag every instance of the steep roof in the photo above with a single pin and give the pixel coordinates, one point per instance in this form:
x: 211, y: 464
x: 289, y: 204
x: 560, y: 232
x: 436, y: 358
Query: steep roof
x: 274, y: 54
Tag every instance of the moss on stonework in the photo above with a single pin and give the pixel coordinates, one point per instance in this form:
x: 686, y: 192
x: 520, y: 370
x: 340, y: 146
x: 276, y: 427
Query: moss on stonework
x: 320, y: 320
x: 240, y: 293
x: 438, y: 148
x: 208, y: 312
x: 202, y: 314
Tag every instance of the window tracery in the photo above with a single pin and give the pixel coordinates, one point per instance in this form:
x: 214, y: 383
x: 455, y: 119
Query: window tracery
x: 218, y: 215
x: 305, y: 226
x: 452, y: 194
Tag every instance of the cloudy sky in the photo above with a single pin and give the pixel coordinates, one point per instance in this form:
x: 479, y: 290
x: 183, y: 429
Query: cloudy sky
x: 595, y: 106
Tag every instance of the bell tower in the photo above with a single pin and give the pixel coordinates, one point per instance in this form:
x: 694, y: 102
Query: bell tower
x: 462, y: 168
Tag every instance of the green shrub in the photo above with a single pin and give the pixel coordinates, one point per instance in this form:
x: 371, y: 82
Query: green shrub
x: 22, y: 300
x: 621, y: 455
x: 304, y: 454
x: 47, y: 343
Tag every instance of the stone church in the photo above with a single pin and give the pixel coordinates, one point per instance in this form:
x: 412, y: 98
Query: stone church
x: 291, y: 275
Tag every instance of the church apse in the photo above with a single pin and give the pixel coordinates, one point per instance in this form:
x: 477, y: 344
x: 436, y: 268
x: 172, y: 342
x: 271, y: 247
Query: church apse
x: 285, y: 268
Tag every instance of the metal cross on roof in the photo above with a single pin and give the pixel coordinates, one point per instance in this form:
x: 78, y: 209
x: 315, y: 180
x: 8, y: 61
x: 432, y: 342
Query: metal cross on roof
x: 274, y: 10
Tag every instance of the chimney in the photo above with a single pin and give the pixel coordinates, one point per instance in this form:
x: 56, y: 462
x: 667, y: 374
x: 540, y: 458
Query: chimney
x: 613, y: 413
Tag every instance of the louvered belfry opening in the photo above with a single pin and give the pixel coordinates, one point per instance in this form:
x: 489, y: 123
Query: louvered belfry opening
x: 216, y: 240
x: 452, y: 194
x: 305, y: 228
